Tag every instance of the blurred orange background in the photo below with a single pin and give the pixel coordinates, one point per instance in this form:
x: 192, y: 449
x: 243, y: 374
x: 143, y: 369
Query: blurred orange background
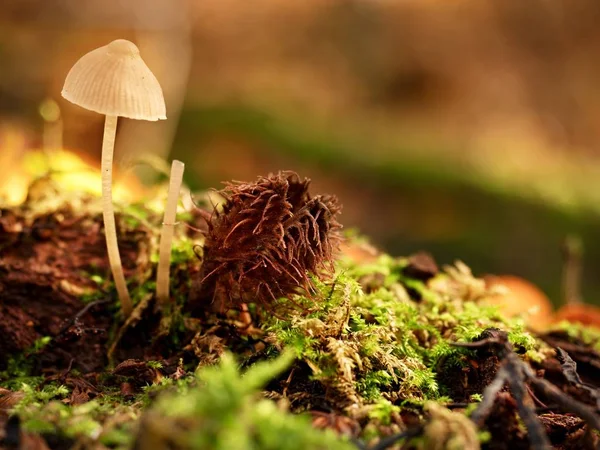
x: 467, y: 128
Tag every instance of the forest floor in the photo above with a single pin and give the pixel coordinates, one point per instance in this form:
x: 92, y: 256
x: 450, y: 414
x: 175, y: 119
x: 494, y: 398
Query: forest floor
x: 339, y: 349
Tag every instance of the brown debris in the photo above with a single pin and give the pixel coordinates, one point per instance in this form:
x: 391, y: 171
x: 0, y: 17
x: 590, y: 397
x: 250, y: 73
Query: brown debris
x: 462, y: 382
x: 9, y: 399
x: 421, y: 266
x: 45, y: 264
x: 208, y: 347
x: 569, y: 368
x: 587, y: 359
x: 139, y: 372
x: 503, y: 425
x: 179, y: 373
x: 340, y: 424
x: 560, y: 426
x: 127, y: 389
x: 82, y: 390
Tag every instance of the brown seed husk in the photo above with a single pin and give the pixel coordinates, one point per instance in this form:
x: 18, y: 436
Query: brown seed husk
x: 268, y: 241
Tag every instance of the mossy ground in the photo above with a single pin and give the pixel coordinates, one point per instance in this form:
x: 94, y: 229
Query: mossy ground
x: 367, y: 356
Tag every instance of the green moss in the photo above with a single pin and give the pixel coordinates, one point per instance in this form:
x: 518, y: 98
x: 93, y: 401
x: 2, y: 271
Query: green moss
x: 35, y: 398
x: 108, y: 419
x: 587, y: 335
x: 93, y: 421
x: 182, y: 251
x: 229, y: 413
x: 19, y: 367
x: 135, y: 214
x: 154, y: 364
x: 383, y: 346
x: 93, y: 296
x: 382, y: 411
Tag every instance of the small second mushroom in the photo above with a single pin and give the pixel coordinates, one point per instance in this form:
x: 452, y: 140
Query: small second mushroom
x: 114, y: 80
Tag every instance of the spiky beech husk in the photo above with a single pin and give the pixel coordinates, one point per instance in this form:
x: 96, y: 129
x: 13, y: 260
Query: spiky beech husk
x: 268, y: 241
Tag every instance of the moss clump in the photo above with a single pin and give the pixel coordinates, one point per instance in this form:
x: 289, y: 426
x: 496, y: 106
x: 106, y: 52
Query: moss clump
x: 224, y: 410
x: 580, y: 333
x: 217, y: 408
x: 447, y: 430
x: 365, y: 347
x: 19, y: 367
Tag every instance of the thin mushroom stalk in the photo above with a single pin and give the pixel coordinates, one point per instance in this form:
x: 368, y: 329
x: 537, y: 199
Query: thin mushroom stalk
x: 108, y: 213
x: 166, y: 235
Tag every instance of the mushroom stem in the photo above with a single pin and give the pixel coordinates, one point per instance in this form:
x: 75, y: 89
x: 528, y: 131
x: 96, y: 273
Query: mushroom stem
x: 110, y: 230
x: 166, y: 235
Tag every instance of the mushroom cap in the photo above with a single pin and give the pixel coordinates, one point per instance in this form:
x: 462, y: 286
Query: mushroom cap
x: 114, y: 80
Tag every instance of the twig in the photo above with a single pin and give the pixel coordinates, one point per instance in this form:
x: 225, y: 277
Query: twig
x: 489, y: 397
x: 516, y: 372
x: 569, y: 368
x: 75, y: 319
x: 538, y: 439
x: 566, y: 403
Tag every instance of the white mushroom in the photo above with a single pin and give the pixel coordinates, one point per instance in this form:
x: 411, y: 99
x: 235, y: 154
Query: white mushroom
x: 114, y: 80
